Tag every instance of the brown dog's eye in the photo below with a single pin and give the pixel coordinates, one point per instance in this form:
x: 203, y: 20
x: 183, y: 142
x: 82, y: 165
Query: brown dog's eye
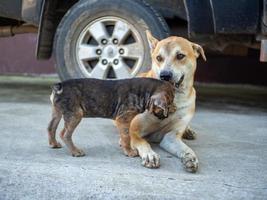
x: 159, y: 58
x: 180, y: 56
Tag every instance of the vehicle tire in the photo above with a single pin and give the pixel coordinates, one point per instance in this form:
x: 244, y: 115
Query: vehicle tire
x: 106, y: 39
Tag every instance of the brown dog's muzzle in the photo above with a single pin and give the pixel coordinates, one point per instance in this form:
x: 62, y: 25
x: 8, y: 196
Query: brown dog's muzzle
x: 166, y: 75
x: 180, y: 81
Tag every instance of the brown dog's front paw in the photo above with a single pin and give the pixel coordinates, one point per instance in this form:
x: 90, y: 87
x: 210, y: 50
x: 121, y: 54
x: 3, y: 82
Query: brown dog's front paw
x: 55, y: 145
x: 151, y: 160
x: 77, y: 153
x: 190, y: 162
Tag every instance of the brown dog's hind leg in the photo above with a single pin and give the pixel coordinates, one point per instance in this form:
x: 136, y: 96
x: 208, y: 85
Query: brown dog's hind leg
x: 70, y: 124
x: 52, y: 127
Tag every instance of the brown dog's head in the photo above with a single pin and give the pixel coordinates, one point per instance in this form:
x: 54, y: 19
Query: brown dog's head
x: 174, y: 58
x: 161, y: 102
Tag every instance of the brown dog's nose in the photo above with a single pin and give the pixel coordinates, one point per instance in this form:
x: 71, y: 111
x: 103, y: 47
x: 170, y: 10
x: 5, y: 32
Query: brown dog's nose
x: 166, y: 75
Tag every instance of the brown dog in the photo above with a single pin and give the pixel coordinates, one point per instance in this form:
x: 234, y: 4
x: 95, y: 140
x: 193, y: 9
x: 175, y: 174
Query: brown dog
x: 173, y: 59
x: 119, y: 99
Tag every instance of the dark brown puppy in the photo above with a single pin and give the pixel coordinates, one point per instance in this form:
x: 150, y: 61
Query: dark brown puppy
x: 113, y: 99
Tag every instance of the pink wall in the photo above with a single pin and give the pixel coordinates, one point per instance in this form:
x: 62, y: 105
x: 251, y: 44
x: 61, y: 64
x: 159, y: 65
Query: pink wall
x: 17, y: 55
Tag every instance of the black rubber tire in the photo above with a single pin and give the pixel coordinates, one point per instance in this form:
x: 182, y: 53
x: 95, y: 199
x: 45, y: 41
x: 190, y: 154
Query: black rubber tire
x: 137, y: 12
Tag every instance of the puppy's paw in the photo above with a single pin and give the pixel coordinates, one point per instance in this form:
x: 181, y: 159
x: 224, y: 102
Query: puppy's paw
x: 130, y: 152
x: 55, y: 145
x: 189, y: 134
x: 172, y: 108
x: 190, y: 162
x: 77, y: 153
x: 151, y: 160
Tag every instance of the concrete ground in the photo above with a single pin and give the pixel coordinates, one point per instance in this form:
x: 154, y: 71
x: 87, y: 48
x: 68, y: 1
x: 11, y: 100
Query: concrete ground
x: 231, y: 122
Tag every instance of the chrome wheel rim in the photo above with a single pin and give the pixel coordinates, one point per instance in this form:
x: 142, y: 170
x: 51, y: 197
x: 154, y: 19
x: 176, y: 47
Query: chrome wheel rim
x: 109, y: 48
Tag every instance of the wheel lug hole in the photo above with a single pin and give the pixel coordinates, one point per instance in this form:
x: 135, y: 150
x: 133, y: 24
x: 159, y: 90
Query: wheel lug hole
x: 115, y: 41
x: 104, y: 41
x: 104, y: 62
x: 98, y: 52
x: 121, y: 51
x: 116, y: 61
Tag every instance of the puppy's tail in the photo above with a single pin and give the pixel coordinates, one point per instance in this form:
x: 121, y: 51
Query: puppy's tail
x: 57, y: 89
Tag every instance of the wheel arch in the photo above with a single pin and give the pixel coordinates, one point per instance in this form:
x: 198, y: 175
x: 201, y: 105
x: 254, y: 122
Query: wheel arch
x: 52, y: 12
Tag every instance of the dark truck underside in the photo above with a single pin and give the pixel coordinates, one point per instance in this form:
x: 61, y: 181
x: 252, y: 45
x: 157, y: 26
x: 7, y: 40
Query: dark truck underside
x: 213, y: 22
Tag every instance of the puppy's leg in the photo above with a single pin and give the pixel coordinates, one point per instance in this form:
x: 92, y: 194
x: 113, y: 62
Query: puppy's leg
x: 70, y: 124
x: 189, y: 134
x: 52, y: 127
x: 62, y: 133
x: 173, y: 143
x: 125, y: 139
x: 149, y: 158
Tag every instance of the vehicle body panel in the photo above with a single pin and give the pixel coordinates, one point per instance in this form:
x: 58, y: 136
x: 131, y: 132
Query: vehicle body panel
x: 31, y: 11
x: 169, y: 8
x: 11, y: 9
x: 223, y: 17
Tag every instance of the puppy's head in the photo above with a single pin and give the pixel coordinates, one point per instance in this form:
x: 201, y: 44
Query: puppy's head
x: 161, y: 102
x: 174, y: 58
x: 158, y: 106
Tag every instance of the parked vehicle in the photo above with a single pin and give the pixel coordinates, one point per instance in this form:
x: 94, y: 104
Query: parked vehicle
x: 106, y: 38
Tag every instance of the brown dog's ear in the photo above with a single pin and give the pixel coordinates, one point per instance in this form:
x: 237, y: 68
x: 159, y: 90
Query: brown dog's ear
x: 152, y: 41
x: 198, y: 50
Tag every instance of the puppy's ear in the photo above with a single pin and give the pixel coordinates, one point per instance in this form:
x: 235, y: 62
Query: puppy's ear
x: 165, y: 109
x: 198, y: 50
x: 150, y: 106
x: 152, y: 41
